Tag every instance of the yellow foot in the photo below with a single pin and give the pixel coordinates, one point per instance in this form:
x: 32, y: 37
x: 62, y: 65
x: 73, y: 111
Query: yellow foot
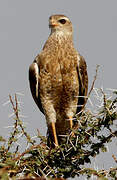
x: 54, y: 133
x: 71, y: 122
x: 71, y: 125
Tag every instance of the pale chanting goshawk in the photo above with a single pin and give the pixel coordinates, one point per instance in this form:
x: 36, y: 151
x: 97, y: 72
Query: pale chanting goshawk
x: 58, y: 79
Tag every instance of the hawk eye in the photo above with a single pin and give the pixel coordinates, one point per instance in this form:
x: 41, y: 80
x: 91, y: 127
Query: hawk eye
x: 62, y: 21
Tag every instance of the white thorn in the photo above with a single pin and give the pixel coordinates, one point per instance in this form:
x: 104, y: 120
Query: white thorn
x: 4, y: 104
x: 18, y: 144
x: 21, y: 94
x: 111, y: 89
x: 90, y: 102
x: 11, y: 115
x: 34, y: 137
x: 23, y: 116
x: 8, y: 126
x: 19, y: 135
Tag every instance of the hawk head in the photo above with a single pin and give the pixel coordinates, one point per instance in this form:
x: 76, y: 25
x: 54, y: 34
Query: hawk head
x: 60, y: 23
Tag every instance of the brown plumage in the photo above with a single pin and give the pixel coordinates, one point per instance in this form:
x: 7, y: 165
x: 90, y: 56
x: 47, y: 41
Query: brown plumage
x: 57, y: 77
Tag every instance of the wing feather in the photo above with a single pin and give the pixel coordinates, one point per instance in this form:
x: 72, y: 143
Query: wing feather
x: 34, y: 84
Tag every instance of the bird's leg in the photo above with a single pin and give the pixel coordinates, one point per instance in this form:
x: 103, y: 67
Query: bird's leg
x: 54, y: 133
x: 71, y: 121
x: 71, y: 125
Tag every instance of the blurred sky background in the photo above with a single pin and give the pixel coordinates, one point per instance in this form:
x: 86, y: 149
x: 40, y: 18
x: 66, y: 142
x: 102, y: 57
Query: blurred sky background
x: 23, y: 32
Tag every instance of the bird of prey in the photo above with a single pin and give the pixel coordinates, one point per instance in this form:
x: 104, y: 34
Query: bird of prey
x: 58, y: 78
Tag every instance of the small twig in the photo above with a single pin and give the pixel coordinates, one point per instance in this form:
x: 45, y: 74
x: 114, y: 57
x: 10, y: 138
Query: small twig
x: 76, y: 140
x: 92, y: 86
x: 95, y: 77
x: 16, y: 105
x: 26, y: 152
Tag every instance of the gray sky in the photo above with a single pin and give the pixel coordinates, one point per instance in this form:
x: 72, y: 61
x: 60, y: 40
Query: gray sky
x: 23, y: 32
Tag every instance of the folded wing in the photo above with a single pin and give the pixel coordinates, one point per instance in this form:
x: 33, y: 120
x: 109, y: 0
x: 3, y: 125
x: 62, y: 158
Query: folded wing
x: 34, y: 84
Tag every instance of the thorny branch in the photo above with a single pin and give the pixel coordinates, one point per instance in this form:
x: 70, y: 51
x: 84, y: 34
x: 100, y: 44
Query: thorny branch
x: 66, y: 160
x: 17, y: 123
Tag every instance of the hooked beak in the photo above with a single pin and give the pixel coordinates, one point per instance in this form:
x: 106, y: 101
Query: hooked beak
x: 52, y: 25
